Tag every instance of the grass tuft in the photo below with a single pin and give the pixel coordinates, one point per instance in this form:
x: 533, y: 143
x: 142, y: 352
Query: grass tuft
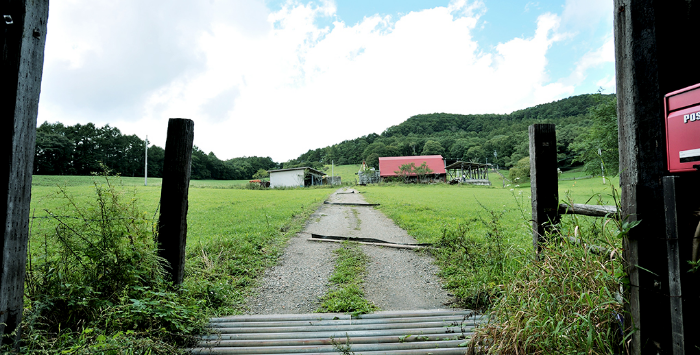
x: 347, y: 295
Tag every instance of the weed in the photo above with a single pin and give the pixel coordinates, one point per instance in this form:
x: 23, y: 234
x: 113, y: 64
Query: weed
x: 231, y: 239
x: 97, y: 273
x: 347, y: 294
x: 343, y: 349
x: 358, y: 221
x: 569, y: 302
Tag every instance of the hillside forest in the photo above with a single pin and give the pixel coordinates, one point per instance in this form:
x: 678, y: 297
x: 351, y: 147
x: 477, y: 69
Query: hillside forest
x: 585, y: 124
x: 79, y: 150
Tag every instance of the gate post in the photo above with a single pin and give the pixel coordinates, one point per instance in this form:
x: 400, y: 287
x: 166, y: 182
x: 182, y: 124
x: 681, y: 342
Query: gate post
x: 544, y: 182
x: 172, y: 224
x: 649, y: 34
x: 24, y: 37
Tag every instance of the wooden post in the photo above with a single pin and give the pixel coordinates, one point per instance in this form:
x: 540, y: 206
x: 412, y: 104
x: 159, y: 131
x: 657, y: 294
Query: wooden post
x: 544, y: 183
x: 24, y: 37
x: 674, y: 268
x: 649, y: 35
x: 172, y: 225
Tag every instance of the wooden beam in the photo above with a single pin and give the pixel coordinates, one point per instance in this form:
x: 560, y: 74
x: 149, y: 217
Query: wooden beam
x: 172, y: 224
x: 388, y: 245
x: 543, y: 181
x: 588, y: 210
x: 24, y: 38
x: 674, y: 268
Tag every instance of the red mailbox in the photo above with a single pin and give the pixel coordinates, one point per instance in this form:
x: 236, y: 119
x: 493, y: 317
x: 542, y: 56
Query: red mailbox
x: 682, y: 109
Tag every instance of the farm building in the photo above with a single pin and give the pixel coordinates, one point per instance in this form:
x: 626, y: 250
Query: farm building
x: 295, y: 177
x: 469, y: 173
x: 388, y: 166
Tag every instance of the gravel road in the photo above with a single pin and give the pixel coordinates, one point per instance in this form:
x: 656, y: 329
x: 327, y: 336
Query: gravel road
x: 397, y: 279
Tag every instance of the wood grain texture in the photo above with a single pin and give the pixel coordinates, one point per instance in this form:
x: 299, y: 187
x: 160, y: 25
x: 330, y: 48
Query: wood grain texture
x: 543, y: 181
x: 24, y: 38
x: 172, y: 224
x: 649, y: 63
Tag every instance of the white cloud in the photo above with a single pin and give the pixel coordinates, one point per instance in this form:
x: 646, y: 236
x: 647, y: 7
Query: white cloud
x: 607, y: 84
x: 581, y: 15
x: 275, y: 83
x: 592, y: 59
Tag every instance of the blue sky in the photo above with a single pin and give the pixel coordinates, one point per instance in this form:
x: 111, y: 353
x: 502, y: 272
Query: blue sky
x: 278, y: 77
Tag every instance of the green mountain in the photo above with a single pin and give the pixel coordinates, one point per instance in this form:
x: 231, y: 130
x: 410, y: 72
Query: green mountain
x: 496, y: 138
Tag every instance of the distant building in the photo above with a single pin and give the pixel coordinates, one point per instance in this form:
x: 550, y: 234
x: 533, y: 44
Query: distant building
x: 388, y: 166
x: 461, y: 172
x: 295, y: 177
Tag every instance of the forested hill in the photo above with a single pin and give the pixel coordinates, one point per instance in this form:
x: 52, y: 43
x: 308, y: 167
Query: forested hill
x: 82, y: 149
x: 467, y: 137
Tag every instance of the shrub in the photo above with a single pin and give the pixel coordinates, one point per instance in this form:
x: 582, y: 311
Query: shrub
x: 568, y: 301
x: 98, y: 273
x: 521, y: 171
x: 476, y: 267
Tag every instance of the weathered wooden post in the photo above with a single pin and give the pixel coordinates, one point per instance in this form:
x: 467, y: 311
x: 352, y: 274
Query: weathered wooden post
x: 172, y: 225
x: 674, y: 264
x: 650, y: 61
x: 24, y: 37
x: 544, y: 182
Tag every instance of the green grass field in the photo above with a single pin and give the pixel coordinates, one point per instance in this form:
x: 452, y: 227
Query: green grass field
x: 484, y: 249
x: 53, y: 180
x: 347, y: 173
x: 233, y: 233
x: 425, y: 210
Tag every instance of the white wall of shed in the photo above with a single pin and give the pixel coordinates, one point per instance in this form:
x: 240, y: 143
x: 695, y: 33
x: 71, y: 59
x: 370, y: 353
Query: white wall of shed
x: 290, y: 178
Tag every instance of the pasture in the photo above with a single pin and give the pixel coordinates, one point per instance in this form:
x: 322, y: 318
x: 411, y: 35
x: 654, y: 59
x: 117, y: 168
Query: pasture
x: 484, y: 250
x: 482, y: 233
x: 347, y: 173
x: 233, y: 233
x: 426, y: 210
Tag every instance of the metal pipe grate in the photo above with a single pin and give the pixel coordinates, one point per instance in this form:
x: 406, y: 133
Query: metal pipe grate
x: 393, y: 332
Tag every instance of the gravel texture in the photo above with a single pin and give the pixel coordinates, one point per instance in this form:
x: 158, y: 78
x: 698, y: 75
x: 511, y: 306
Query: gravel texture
x: 397, y: 279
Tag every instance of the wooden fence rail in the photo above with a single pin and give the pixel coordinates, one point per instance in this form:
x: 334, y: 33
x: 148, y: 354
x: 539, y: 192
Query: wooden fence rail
x: 588, y: 210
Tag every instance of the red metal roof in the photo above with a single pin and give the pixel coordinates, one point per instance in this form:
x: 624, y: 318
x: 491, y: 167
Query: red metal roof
x: 388, y: 165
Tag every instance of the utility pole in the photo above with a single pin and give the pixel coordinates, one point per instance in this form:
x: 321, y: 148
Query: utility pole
x: 602, y: 169
x: 145, y: 171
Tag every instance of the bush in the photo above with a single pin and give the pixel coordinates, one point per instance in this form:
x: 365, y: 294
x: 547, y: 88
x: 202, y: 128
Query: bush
x: 568, y: 301
x: 97, y: 276
x: 475, y: 268
x: 521, y: 171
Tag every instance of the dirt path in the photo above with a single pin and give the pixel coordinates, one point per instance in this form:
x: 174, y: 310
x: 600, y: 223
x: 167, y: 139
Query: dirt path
x: 397, y: 279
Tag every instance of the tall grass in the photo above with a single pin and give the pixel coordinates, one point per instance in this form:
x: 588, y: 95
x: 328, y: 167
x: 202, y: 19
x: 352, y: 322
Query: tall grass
x: 96, y: 272
x: 570, y: 301
x: 95, y: 283
x: 346, y: 294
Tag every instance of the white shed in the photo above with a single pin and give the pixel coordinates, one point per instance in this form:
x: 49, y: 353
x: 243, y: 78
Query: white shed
x: 295, y: 177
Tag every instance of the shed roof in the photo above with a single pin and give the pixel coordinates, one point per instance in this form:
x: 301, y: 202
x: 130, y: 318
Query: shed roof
x: 466, y: 165
x: 317, y: 172
x: 388, y: 165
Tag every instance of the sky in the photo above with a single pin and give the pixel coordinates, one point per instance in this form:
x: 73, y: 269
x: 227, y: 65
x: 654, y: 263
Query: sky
x: 279, y: 77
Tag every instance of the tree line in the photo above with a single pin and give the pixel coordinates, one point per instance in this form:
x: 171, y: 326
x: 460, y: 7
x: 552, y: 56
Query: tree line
x: 80, y: 149
x: 501, y: 139
x: 585, y: 124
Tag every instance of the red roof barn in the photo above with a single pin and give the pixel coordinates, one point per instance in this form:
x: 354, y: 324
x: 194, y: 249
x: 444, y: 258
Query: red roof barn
x: 388, y: 165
